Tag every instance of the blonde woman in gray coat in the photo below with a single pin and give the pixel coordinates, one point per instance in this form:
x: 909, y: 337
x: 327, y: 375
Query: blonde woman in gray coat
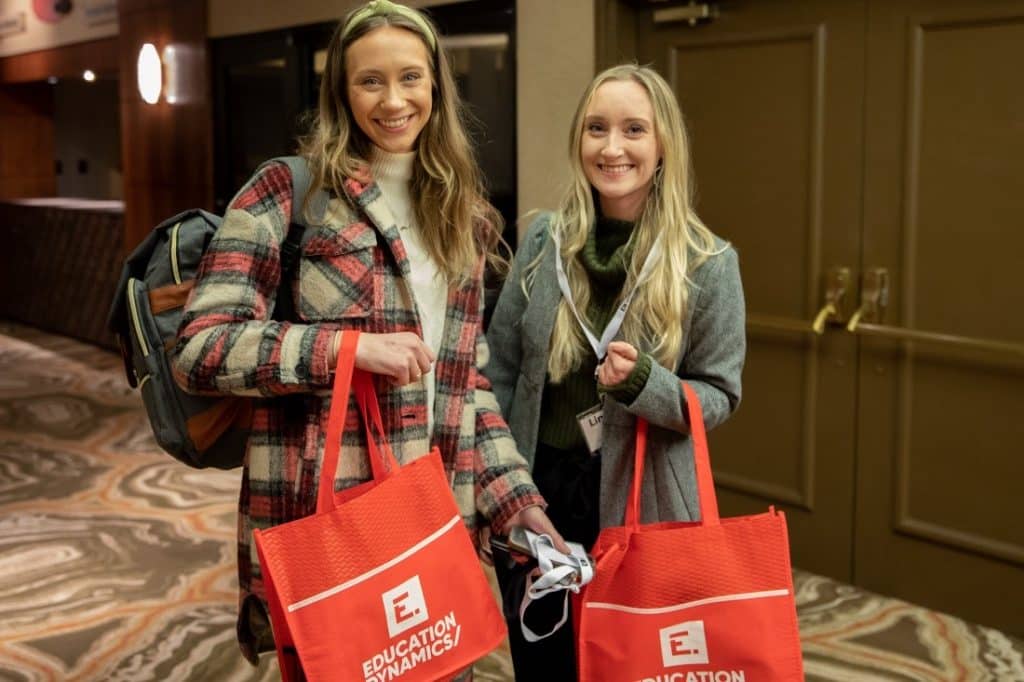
x: 612, y: 300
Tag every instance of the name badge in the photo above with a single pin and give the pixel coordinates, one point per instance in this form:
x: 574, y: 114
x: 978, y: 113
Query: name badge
x: 592, y: 425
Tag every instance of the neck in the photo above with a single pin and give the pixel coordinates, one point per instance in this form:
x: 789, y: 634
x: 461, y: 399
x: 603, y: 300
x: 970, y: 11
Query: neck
x: 626, y: 208
x: 397, y: 166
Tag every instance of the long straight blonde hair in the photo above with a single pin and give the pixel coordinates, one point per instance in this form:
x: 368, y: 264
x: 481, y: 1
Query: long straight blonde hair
x: 458, y: 224
x: 655, y: 319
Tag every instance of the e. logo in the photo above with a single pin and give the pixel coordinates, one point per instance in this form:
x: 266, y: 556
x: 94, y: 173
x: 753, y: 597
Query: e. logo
x: 684, y: 644
x: 404, y: 606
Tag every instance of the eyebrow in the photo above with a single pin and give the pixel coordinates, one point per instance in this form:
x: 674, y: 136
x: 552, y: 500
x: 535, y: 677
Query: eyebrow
x: 596, y: 118
x: 379, y: 72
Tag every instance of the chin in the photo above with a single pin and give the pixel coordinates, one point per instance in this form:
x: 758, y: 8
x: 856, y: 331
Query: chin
x: 395, y: 146
x: 613, y: 192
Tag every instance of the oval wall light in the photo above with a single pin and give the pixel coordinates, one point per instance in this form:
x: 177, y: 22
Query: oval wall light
x: 149, y: 72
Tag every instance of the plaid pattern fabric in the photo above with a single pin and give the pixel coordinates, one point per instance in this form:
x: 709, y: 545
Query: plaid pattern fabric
x: 351, y: 275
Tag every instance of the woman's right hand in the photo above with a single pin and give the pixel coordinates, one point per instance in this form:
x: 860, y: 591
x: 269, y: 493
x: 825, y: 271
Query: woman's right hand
x: 402, y: 356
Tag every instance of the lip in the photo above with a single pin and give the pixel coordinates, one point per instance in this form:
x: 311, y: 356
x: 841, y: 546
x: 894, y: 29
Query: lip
x: 615, y: 170
x: 395, y: 129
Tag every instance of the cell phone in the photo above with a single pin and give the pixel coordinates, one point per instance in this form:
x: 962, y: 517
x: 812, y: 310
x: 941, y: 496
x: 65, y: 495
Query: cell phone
x: 518, y: 541
x: 515, y: 541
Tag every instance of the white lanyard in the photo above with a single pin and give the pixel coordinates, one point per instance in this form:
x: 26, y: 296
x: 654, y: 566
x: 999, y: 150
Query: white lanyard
x: 555, y: 571
x: 601, y: 346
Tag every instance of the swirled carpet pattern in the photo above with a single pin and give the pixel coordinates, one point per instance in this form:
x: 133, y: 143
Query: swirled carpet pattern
x: 117, y: 563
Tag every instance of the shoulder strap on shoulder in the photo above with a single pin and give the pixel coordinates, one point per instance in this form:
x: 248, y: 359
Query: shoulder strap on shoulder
x: 297, y: 228
x: 301, y: 180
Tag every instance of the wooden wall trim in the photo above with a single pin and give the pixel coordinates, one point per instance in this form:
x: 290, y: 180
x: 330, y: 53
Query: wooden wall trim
x: 67, y: 61
x: 26, y: 141
x: 166, y: 149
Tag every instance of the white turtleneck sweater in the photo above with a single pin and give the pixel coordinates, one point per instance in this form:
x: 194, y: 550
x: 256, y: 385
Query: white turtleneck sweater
x: 393, y: 173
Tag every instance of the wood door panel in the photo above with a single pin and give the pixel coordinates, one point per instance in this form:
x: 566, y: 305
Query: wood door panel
x: 783, y: 417
x: 936, y: 527
x: 955, y: 482
x: 939, y: 460
x: 965, y: 175
x: 769, y: 159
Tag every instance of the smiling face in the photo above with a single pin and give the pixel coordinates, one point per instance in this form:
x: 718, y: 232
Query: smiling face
x: 618, y: 148
x: 389, y: 86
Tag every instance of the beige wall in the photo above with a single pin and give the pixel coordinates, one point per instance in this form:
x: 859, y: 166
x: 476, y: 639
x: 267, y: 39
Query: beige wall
x: 555, y: 61
x: 235, y: 17
x: 22, y: 30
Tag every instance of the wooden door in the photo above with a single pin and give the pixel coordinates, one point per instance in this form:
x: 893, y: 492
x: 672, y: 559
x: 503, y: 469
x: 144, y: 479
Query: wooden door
x: 886, y: 137
x: 940, y: 455
x: 773, y: 97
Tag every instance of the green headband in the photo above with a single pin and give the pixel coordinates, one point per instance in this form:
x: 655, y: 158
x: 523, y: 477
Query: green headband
x: 383, y: 8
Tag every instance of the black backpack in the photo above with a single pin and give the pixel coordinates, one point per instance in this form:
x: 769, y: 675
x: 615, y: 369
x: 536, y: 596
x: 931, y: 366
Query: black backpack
x: 200, y: 431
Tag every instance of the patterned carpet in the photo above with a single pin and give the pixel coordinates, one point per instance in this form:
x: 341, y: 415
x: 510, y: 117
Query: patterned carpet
x: 116, y: 563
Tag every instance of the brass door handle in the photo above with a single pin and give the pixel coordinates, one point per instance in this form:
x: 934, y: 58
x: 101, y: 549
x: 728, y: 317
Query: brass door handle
x: 836, y: 285
x: 818, y: 326
x: 874, y: 298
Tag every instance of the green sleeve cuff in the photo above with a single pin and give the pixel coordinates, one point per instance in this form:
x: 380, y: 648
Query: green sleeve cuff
x: 629, y: 388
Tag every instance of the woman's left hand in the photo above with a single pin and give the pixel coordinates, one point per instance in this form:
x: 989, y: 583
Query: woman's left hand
x: 618, y: 364
x: 534, y: 518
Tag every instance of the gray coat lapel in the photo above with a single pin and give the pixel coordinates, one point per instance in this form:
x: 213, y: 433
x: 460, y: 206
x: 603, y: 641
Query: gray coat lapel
x: 539, y: 319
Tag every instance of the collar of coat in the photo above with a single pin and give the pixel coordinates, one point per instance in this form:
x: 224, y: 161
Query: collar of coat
x: 365, y: 195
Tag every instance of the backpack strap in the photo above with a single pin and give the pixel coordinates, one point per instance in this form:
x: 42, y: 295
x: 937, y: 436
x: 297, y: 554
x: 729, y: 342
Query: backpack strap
x: 301, y: 180
x: 298, y: 233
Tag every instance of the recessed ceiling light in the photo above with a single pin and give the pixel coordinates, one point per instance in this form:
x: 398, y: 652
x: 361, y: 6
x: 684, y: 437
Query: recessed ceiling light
x: 88, y: 75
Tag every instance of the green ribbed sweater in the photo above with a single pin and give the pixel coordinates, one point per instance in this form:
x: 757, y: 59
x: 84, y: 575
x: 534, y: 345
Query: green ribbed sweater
x: 604, y: 257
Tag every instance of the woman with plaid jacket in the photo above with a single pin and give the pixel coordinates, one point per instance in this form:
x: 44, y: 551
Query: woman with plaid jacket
x: 398, y: 253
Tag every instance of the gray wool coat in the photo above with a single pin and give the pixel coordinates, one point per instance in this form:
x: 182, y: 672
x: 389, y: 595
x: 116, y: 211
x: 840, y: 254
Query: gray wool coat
x: 714, y: 347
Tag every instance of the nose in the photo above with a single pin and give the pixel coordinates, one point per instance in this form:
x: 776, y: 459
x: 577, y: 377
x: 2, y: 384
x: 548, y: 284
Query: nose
x: 612, y: 145
x: 392, y: 99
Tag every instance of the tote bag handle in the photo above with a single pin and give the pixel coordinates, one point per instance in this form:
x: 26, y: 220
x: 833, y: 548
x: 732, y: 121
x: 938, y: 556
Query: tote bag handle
x: 346, y: 377
x: 701, y: 460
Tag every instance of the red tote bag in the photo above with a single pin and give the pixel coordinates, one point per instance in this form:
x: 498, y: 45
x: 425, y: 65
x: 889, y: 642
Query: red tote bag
x: 690, y: 601
x: 382, y: 583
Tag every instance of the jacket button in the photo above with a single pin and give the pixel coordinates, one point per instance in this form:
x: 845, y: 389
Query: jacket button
x: 301, y: 371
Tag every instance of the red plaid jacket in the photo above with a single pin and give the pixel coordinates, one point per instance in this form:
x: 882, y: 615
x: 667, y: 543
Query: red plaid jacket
x: 351, y: 275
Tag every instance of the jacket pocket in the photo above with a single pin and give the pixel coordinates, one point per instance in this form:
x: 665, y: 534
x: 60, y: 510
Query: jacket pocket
x: 336, y: 274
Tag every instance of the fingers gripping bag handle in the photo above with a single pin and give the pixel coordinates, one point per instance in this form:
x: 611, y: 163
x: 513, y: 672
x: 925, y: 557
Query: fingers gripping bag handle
x: 382, y: 458
x: 347, y: 377
x: 702, y: 465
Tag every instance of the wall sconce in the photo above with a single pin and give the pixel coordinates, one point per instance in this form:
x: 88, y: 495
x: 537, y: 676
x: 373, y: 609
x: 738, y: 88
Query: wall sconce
x: 150, y: 74
x: 173, y: 91
x: 162, y: 73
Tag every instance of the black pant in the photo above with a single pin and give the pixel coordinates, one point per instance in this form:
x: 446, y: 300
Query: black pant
x: 569, y: 482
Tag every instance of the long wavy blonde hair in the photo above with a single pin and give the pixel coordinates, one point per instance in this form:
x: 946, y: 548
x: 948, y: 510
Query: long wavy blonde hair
x: 655, y: 319
x: 458, y: 224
